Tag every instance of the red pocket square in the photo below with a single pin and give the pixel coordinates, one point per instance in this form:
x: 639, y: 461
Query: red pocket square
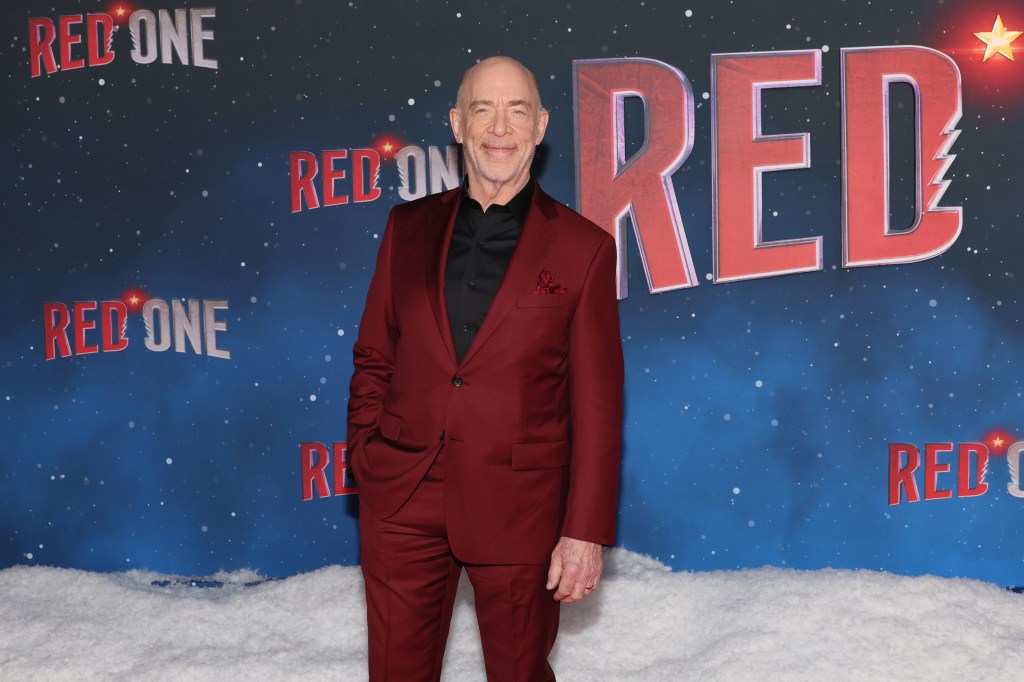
x: 546, y: 284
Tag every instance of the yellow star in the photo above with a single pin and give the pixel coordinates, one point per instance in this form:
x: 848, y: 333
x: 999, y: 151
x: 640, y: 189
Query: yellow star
x: 388, y: 146
x: 997, y: 442
x: 998, y: 40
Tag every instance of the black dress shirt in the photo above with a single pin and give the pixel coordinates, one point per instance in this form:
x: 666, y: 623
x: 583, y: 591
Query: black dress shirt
x: 478, y: 256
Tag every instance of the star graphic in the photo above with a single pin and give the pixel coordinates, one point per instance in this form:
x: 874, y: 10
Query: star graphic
x: 998, y: 440
x: 134, y: 298
x: 388, y: 147
x: 998, y: 40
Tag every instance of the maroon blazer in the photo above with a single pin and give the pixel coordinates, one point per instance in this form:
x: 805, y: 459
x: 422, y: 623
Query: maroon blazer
x: 531, y: 418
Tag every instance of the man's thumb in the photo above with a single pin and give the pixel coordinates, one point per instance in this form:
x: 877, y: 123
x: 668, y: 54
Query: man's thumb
x: 554, y: 571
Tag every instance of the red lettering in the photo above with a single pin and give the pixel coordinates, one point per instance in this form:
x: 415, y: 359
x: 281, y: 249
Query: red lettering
x: 302, y: 181
x: 55, y: 330
x: 364, y: 181
x: 741, y: 154
x: 868, y: 72
x: 315, y: 460
x: 341, y: 486
x: 100, y: 29
x: 313, y: 470
x: 901, y: 478
x: 964, y: 483
x: 331, y: 174
x: 932, y: 469
x: 41, y: 34
x: 119, y: 312
x: 67, y: 41
x: 612, y: 189
x: 82, y: 326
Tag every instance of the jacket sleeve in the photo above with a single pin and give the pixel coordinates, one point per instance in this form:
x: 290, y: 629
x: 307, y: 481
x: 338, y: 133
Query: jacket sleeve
x: 373, y: 354
x: 596, y: 379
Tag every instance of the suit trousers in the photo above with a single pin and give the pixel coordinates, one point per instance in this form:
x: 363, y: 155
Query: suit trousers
x: 411, y: 577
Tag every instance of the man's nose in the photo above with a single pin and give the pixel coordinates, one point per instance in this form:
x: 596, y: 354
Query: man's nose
x: 500, y: 126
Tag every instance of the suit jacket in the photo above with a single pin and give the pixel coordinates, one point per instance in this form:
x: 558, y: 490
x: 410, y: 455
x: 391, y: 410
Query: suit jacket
x: 530, y: 420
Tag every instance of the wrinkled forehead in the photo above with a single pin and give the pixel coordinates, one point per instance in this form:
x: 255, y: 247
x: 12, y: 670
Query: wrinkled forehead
x: 498, y: 81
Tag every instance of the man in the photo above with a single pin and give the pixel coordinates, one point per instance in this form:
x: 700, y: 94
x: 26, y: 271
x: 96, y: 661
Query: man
x: 485, y: 411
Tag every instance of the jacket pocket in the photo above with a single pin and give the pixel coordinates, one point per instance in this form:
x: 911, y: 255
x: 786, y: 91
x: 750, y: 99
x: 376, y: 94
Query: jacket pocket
x: 547, y: 455
x: 542, y: 300
x: 389, y: 425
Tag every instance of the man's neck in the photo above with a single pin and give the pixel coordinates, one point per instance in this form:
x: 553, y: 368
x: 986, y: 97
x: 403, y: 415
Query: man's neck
x: 489, y: 194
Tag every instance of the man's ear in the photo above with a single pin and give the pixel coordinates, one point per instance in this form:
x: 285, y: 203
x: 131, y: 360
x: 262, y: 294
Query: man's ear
x: 542, y: 125
x: 453, y: 118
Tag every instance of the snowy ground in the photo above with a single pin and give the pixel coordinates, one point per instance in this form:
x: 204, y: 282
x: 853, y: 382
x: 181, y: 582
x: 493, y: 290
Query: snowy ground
x: 645, y: 623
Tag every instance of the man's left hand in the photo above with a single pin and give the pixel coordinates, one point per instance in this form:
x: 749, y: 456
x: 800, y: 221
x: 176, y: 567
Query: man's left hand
x: 575, y: 569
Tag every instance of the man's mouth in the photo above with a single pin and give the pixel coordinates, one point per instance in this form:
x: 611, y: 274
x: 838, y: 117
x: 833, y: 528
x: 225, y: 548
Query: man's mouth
x: 498, y: 148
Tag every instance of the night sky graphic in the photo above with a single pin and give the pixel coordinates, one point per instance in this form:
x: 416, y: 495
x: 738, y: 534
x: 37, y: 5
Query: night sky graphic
x: 759, y: 413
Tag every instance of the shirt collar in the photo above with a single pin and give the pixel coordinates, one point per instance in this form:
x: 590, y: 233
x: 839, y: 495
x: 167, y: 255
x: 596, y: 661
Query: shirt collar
x: 519, y: 205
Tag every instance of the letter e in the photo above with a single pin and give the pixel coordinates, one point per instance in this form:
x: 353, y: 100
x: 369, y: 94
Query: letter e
x: 932, y: 469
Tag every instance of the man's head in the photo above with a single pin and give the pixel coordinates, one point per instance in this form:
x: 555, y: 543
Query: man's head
x: 499, y: 121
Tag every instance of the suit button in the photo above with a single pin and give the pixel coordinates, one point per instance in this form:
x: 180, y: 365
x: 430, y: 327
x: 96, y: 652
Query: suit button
x: 441, y: 436
x: 456, y: 382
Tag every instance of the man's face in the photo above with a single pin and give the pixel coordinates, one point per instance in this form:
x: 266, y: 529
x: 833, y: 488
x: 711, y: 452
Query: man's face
x: 499, y: 122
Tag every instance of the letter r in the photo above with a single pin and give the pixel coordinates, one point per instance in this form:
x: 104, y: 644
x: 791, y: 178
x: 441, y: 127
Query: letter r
x: 610, y: 188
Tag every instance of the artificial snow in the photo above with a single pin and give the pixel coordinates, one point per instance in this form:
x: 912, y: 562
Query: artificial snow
x: 643, y: 623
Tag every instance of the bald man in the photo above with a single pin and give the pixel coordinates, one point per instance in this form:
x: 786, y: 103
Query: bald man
x: 485, y: 411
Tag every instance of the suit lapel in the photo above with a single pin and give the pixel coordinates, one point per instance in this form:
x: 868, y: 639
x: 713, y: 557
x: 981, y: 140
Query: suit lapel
x: 435, y: 250
x: 521, y: 276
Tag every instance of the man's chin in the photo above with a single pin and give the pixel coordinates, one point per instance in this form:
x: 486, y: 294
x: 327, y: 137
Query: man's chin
x: 500, y: 176
x: 500, y: 163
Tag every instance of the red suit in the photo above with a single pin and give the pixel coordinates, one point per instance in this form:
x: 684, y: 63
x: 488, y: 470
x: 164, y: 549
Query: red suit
x: 528, y: 424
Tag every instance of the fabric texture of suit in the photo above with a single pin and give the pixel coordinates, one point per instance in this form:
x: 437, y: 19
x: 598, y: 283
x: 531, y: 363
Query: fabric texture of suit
x: 530, y: 419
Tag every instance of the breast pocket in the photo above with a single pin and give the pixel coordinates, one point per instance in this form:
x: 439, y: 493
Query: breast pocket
x: 542, y: 301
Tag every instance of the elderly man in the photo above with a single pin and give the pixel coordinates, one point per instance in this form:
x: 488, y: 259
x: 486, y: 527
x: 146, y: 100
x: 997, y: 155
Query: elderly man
x: 485, y: 411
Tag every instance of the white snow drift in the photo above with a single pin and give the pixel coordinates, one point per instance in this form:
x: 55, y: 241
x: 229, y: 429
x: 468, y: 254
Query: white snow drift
x: 645, y: 623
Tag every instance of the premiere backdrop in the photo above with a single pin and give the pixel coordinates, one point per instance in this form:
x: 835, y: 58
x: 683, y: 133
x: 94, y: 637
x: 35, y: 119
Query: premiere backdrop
x: 193, y: 196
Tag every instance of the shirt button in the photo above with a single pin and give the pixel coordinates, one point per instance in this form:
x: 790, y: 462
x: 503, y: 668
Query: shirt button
x: 466, y: 327
x: 479, y: 245
x: 471, y: 285
x: 456, y: 382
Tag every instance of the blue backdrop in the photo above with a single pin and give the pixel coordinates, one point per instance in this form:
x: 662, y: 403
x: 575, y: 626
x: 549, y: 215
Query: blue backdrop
x: 759, y: 413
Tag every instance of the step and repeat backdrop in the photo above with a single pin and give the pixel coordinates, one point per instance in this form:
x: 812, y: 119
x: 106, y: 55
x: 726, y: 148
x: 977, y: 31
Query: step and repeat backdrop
x: 819, y: 223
